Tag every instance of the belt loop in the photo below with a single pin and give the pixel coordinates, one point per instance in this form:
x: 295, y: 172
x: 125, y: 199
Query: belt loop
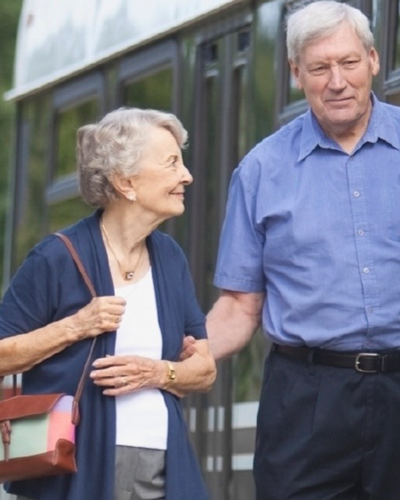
x: 310, y: 356
x: 383, y: 363
x: 310, y: 361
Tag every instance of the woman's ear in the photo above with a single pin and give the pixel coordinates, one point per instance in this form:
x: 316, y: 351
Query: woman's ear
x: 124, y: 186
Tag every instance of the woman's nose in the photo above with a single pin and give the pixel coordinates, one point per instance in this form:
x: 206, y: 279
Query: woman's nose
x: 187, y: 177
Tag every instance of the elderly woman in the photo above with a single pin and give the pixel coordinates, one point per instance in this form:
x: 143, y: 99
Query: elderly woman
x: 132, y: 442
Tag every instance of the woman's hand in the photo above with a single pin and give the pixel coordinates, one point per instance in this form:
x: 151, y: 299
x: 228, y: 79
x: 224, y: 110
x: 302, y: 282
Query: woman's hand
x: 122, y: 374
x: 188, y: 347
x: 102, y: 314
x: 20, y: 353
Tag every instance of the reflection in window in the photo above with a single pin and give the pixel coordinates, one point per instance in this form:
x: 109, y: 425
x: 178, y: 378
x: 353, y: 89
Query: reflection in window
x: 36, y: 116
x: 154, y: 91
x: 295, y: 94
x: 212, y: 190
x: 68, y: 122
x: 178, y: 227
x: 393, y: 99
x: 240, y: 125
x: 67, y: 212
x: 396, y: 62
x: 248, y: 370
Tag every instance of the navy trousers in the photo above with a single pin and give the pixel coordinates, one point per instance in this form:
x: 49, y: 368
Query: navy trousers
x: 327, y: 433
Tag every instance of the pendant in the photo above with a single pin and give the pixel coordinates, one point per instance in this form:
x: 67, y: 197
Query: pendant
x: 128, y: 275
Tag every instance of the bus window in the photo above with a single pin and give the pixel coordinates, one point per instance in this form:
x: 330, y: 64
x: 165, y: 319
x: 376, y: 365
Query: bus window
x: 207, y: 172
x: 396, y: 48
x: 295, y: 94
x: 393, y: 99
x: 29, y: 205
x: 240, y: 122
x: 68, y: 122
x: 212, y: 192
x: 67, y: 212
x: 64, y: 206
x: 153, y: 91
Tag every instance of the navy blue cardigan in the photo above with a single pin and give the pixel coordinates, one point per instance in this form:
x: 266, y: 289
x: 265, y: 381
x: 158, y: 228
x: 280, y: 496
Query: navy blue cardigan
x: 48, y: 287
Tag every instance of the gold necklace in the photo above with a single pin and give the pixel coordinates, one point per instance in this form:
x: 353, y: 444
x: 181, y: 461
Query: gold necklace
x: 127, y: 275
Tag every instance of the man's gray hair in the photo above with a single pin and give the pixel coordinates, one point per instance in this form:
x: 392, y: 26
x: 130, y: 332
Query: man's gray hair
x: 322, y: 18
x: 115, y: 145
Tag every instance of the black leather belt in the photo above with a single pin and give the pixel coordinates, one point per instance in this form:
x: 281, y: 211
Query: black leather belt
x: 363, y: 362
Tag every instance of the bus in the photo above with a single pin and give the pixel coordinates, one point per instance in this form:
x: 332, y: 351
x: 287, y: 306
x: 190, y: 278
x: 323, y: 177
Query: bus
x: 221, y: 67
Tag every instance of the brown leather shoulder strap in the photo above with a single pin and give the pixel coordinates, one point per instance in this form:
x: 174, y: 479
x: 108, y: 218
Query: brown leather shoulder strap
x: 78, y: 262
x: 82, y: 380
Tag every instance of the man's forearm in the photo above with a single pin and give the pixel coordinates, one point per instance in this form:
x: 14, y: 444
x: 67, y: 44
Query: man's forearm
x: 232, y: 322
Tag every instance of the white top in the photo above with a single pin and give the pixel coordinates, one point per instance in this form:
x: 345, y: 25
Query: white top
x: 142, y: 418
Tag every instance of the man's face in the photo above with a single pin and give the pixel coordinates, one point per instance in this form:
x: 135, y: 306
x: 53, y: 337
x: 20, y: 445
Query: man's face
x: 336, y: 73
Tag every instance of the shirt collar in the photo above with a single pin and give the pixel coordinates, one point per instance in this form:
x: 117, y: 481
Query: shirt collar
x: 380, y: 126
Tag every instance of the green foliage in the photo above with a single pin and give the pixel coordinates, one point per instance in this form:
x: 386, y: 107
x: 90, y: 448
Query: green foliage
x: 9, y: 15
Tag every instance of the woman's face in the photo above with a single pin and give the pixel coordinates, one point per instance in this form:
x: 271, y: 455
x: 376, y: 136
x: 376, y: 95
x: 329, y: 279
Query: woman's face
x: 160, y: 184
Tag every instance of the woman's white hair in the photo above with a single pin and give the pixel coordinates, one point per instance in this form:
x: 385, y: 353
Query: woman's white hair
x: 115, y: 144
x: 322, y: 18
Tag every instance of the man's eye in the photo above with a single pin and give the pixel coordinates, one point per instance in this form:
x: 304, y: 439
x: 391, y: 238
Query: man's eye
x: 350, y: 64
x: 318, y: 70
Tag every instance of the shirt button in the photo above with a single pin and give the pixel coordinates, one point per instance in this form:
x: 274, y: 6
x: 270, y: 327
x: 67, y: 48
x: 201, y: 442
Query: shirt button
x: 366, y: 270
x: 356, y: 194
x: 370, y: 310
x: 361, y: 232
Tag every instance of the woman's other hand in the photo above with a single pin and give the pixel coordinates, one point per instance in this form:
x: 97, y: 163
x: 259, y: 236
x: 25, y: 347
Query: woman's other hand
x: 188, y: 347
x: 122, y: 374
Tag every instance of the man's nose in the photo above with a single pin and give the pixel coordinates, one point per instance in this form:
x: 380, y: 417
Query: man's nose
x: 336, y: 80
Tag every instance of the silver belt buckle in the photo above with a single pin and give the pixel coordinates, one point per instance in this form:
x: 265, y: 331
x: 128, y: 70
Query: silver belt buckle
x: 366, y: 355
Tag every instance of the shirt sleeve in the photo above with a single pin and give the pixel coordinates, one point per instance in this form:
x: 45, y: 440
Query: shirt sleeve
x: 240, y: 256
x: 28, y: 303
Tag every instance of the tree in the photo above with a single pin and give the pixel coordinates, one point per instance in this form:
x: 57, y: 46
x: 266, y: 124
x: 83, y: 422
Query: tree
x: 9, y: 16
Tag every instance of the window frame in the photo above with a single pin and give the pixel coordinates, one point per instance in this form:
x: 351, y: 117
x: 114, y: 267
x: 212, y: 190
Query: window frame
x: 146, y: 62
x: 66, y: 97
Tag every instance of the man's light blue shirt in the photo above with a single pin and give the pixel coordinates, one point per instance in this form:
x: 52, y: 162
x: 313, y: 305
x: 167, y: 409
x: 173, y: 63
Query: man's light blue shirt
x: 318, y: 230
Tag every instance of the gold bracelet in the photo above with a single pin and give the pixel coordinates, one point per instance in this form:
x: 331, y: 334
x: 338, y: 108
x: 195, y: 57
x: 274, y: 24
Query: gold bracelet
x: 171, y: 371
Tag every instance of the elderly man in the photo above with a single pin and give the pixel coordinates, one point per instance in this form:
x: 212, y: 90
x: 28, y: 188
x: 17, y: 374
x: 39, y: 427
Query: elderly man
x: 311, y: 248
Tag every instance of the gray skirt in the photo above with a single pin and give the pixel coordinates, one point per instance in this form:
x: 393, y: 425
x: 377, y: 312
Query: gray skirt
x: 139, y: 474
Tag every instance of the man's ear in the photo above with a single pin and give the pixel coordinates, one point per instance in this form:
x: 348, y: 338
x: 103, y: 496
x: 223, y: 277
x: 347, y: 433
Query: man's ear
x: 294, y: 68
x: 374, y: 58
